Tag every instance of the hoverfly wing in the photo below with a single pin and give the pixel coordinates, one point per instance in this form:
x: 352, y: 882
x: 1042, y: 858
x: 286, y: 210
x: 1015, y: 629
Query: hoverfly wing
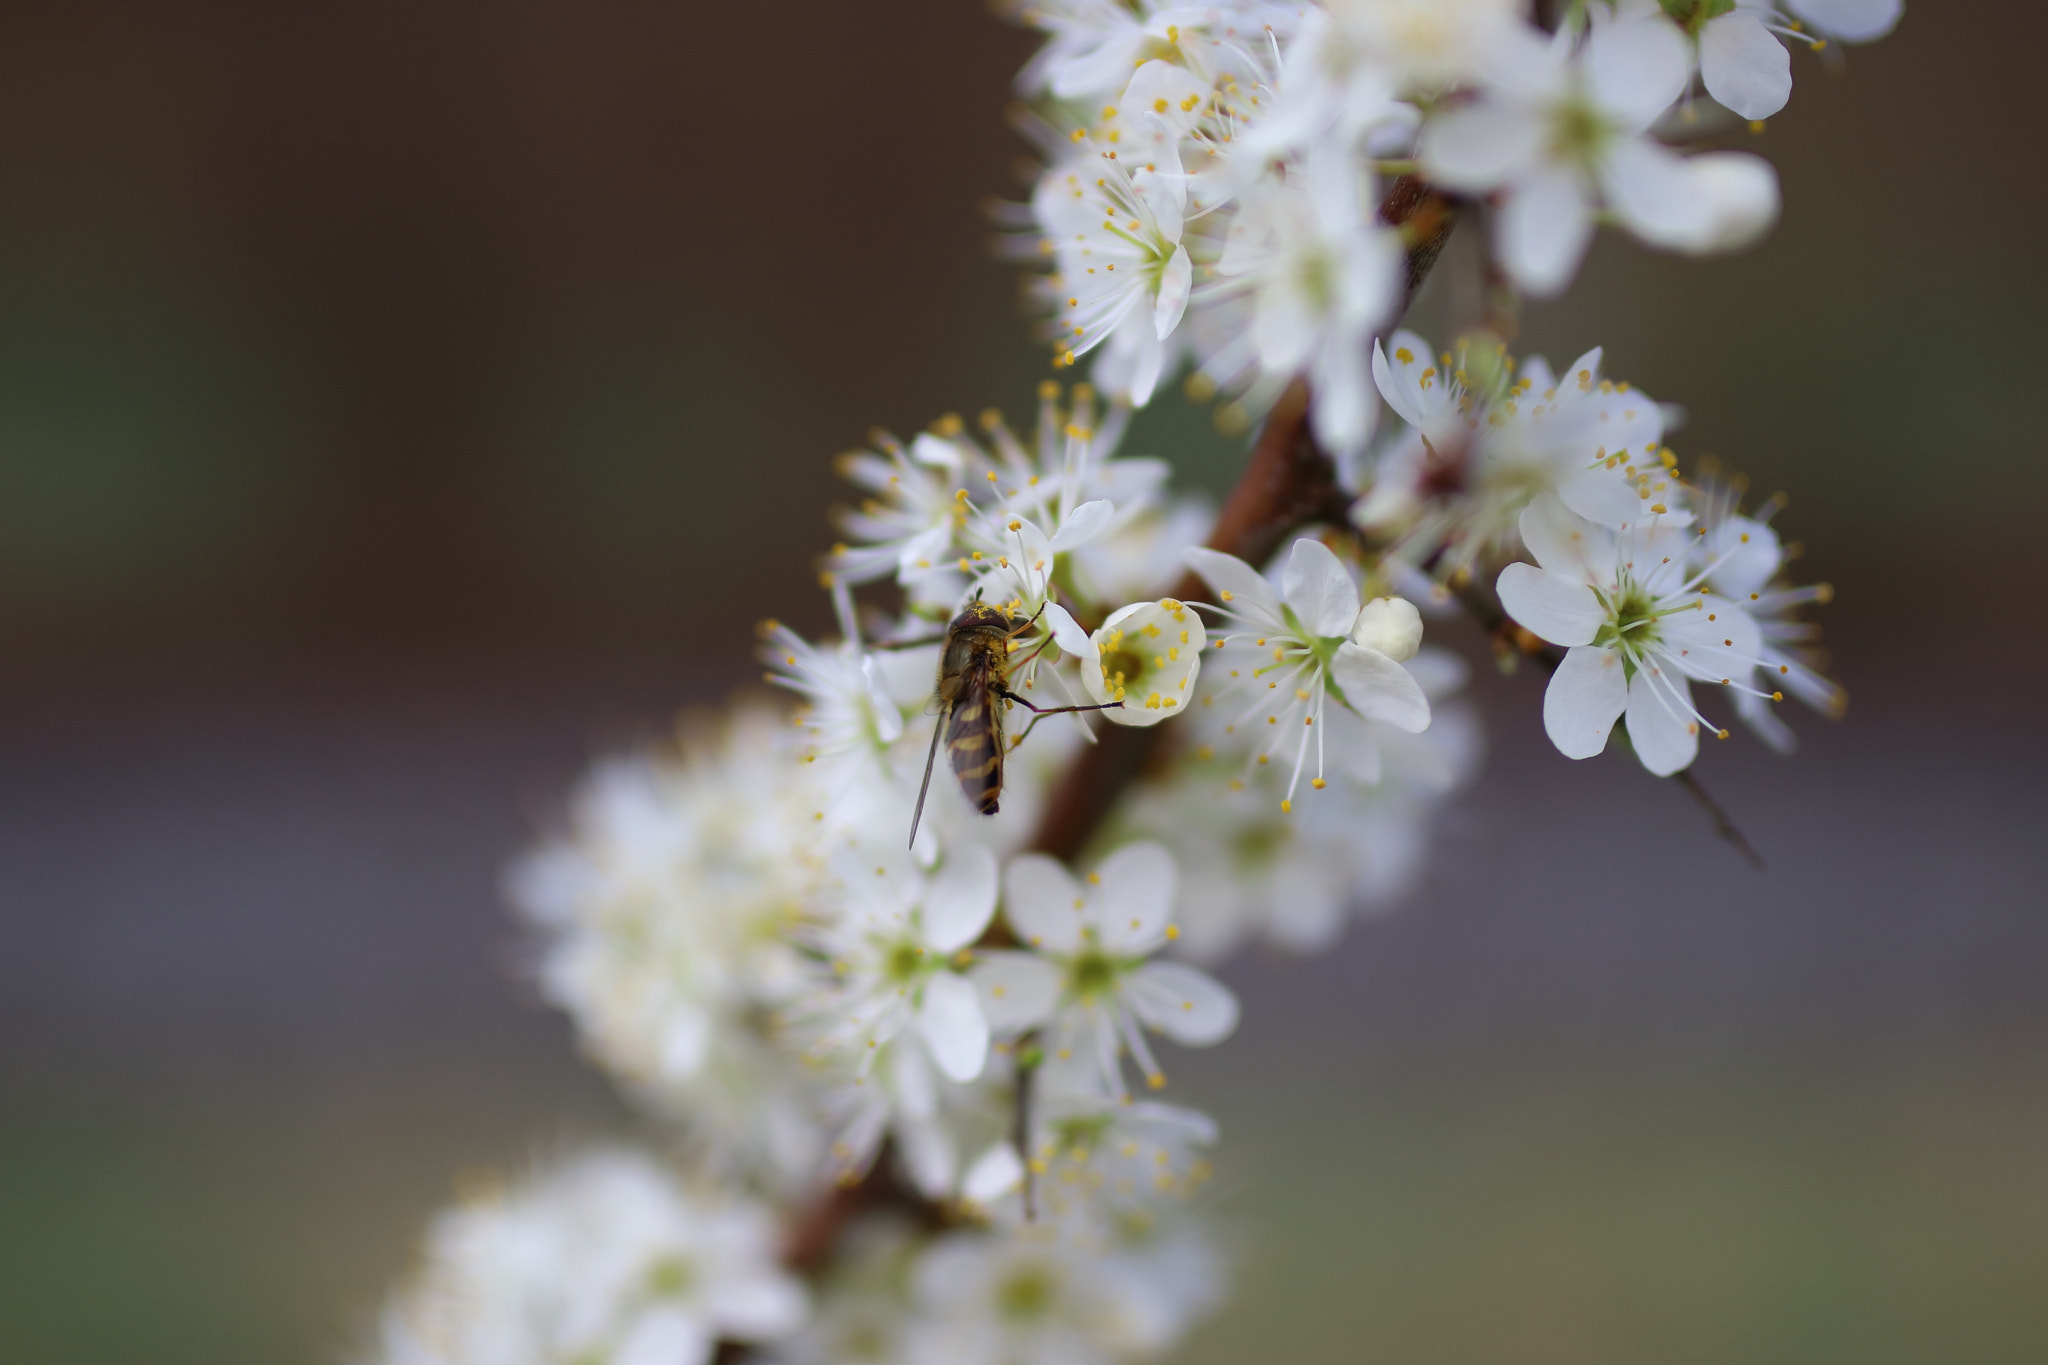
x: 939, y: 728
x: 974, y: 742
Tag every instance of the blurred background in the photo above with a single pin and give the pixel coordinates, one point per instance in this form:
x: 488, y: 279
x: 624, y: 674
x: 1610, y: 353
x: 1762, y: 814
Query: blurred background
x: 402, y: 403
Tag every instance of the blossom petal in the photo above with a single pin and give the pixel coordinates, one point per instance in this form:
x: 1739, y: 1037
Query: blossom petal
x: 1018, y: 990
x: 1853, y: 21
x: 1319, y: 588
x: 1666, y: 739
x: 1543, y: 230
x: 1066, y: 631
x: 1042, y: 903
x: 1564, y: 611
x: 1343, y: 411
x: 664, y: 1335
x: 1478, y: 146
x: 1656, y: 196
x: 1379, y: 689
x: 754, y: 1307
x: 1182, y: 1002
x: 1237, y: 583
x: 994, y: 1174
x: 1138, y: 358
x: 888, y: 718
x: 960, y: 899
x: 1399, y: 381
x: 1738, y: 198
x: 953, y: 1027
x: 1175, y: 283
x: 1716, y: 640
x: 1133, y: 898
x: 1082, y: 525
x: 1602, y: 495
x: 1743, y: 66
x: 1586, y: 695
x: 921, y: 552
x: 1565, y: 542
x: 1636, y: 68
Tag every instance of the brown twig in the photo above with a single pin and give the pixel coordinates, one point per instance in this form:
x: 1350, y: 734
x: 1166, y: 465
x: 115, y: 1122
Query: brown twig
x: 1723, y: 825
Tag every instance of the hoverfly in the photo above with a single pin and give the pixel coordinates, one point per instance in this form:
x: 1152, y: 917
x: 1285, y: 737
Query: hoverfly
x: 974, y: 683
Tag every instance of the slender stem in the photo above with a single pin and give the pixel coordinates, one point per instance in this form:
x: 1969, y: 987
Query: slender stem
x: 1723, y: 824
x: 1020, y: 1135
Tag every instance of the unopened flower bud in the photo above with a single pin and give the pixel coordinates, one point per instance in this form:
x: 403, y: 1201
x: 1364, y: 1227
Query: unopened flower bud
x: 1390, y: 626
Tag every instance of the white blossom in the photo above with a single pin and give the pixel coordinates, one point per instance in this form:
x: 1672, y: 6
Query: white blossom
x: 1056, y: 1293
x: 1114, y: 214
x: 1292, y: 879
x: 1147, y: 656
x: 1087, y: 979
x: 1562, y: 132
x: 1480, y: 439
x: 1748, y: 562
x: 1293, y: 653
x: 1086, y: 1147
x: 1638, y: 624
x: 607, y: 1259
x: 662, y: 920
x: 1322, y: 273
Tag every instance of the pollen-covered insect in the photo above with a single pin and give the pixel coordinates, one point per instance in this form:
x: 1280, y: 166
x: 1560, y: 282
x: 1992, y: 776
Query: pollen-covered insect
x: 973, y: 687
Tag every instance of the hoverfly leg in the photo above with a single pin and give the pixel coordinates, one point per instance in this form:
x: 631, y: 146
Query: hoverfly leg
x: 1007, y: 695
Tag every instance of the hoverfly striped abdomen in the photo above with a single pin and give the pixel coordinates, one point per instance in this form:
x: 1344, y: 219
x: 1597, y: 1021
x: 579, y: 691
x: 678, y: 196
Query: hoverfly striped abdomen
x: 974, y: 743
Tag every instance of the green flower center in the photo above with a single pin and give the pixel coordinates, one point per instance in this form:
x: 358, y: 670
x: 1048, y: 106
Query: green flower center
x: 1631, y: 626
x: 1256, y: 846
x: 1692, y: 15
x: 903, y: 963
x: 1025, y: 1295
x: 1079, y: 1135
x: 1121, y: 668
x: 1092, y: 974
x: 670, y: 1277
x: 1579, y: 132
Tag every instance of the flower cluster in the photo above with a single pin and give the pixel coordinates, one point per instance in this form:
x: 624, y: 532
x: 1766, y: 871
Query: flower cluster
x: 905, y: 1026
x: 1214, y: 172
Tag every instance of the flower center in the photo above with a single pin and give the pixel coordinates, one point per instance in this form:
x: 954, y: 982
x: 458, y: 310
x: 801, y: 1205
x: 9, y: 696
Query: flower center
x: 1024, y: 1295
x: 1257, y: 846
x: 1121, y: 668
x: 1315, y: 276
x: 1092, y: 974
x: 670, y: 1277
x: 1578, y: 131
x: 1078, y: 1136
x: 903, y: 963
x: 1692, y: 15
x: 1631, y: 626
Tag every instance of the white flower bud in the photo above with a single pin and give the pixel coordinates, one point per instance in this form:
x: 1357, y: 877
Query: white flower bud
x: 1389, y: 626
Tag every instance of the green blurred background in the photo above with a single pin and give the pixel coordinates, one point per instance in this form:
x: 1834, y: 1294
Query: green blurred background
x: 401, y: 403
